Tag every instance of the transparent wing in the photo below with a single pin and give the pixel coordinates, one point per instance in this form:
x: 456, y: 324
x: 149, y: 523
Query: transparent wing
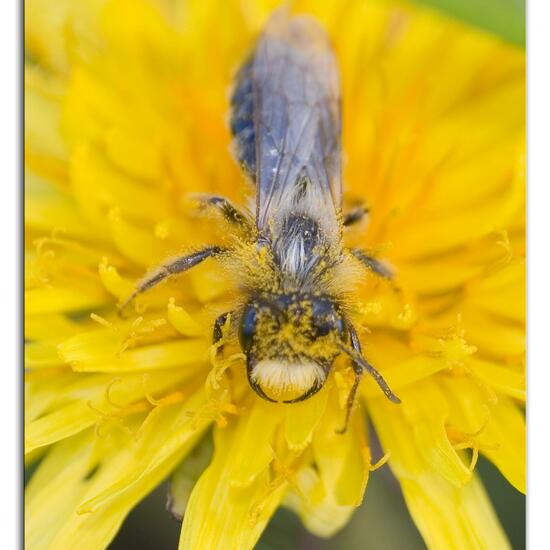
x: 297, y: 120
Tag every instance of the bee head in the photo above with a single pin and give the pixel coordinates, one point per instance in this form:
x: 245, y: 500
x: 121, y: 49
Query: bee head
x: 290, y: 341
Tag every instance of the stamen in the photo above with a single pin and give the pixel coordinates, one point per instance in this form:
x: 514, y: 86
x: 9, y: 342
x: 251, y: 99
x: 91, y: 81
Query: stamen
x: 379, y: 463
x: 103, y: 322
x: 284, y: 473
x: 108, y: 389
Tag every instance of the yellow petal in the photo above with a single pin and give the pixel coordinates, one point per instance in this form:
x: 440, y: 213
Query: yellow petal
x: 502, y: 293
x: 41, y: 301
x: 436, y: 235
x: 44, y: 327
x: 63, y: 423
x: 399, y: 366
x: 317, y: 508
x: 48, y: 209
x: 138, y: 155
x: 494, y: 336
x: 47, y: 29
x: 252, y: 442
x: 115, y: 189
x: 343, y: 460
x: 113, y: 282
x: 426, y: 411
x: 154, y: 449
x: 45, y: 148
x: 42, y: 355
x: 447, y: 516
x: 180, y: 354
x: 55, y: 488
x: 222, y: 515
x: 135, y: 243
x: 507, y: 380
x: 495, y: 425
x: 74, y: 473
x: 326, y: 493
x: 302, y: 419
x: 182, y: 321
x: 186, y: 475
x: 85, y: 400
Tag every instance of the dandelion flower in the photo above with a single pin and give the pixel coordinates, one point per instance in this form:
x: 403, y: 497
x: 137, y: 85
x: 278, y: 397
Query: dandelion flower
x: 126, y: 105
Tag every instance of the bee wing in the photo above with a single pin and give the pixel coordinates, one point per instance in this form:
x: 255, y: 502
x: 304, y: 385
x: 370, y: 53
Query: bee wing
x: 297, y: 119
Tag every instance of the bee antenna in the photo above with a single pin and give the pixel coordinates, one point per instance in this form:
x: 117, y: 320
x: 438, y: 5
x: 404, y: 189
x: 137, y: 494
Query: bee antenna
x: 360, y: 362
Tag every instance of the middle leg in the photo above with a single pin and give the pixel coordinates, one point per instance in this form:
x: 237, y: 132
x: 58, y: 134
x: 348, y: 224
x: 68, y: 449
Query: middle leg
x: 355, y: 215
x: 178, y: 265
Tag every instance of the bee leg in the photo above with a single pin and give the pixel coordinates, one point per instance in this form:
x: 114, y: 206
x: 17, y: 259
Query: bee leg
x: 229, y: 211
x: 179, y: 265
x: 372, y: 264
x: 355, y: 215
x: 358, y: 370
x: 217, y: 332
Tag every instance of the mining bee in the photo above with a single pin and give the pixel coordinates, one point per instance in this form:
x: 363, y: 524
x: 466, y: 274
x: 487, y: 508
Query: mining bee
x: 292, y: 266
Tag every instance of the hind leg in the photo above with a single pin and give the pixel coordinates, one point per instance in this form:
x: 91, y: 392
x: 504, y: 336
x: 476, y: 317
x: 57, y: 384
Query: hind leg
x: 228, y: 210
x: 372, y: 264
x: 355, y: 215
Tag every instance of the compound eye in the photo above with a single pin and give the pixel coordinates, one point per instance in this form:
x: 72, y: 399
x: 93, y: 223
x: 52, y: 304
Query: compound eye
x: 323, y: 325
x: 247, y: 330
x: 325, y: 319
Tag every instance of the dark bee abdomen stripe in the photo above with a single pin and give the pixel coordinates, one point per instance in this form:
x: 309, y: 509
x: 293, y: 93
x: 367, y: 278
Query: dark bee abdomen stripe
x: 242, y: 122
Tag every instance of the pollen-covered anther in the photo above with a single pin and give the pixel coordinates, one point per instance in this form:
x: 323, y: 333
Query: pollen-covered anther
x: 228, y: 408
x: 113, y: 282
x: 450, y: 345
x: 170, y: 399
x: 219, y: 368
x: 137, y: 330
x: 214, y: 410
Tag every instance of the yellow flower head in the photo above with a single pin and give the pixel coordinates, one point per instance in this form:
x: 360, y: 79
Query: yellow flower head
x: 126, y: 106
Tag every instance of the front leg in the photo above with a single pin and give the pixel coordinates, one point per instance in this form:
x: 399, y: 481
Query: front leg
x: 358, y: 370
x: 179, y: 265
x: 217, y: 332
x: 360, y: 365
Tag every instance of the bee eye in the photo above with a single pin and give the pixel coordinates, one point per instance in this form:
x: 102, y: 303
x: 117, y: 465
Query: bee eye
x: 322, y: 326
x: 325, y: 319
x: 247, y: 330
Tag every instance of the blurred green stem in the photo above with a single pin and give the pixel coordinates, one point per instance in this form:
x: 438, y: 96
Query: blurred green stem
x: 505, y: 18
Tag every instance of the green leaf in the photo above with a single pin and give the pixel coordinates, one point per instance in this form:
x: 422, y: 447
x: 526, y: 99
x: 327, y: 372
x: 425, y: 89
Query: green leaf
x: 505, y: 18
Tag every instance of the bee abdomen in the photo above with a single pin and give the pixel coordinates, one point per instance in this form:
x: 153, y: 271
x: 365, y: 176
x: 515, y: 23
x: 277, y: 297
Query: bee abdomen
x: 242, y: 121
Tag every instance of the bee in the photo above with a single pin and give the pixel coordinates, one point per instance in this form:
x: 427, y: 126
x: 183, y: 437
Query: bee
x: 291, y: 263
